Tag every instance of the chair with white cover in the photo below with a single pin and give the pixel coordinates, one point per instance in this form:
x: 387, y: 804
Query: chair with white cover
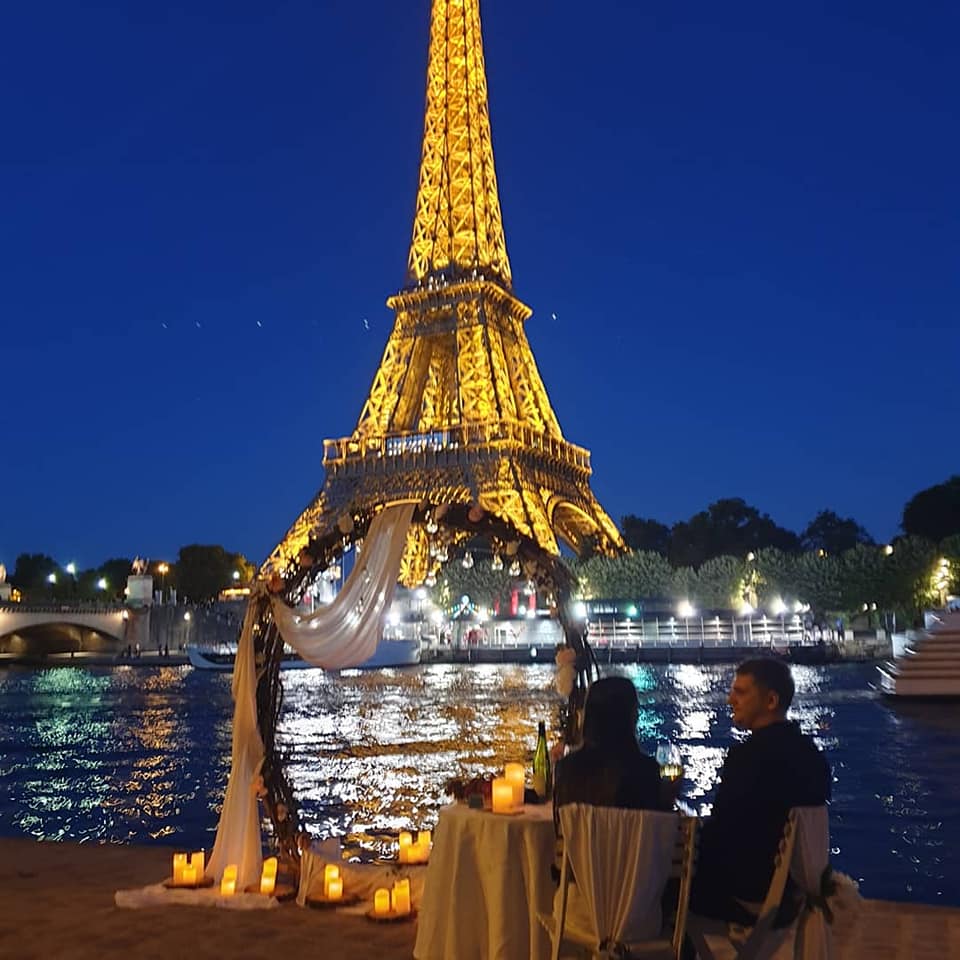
x: 620, y: 862
x: 803, y: 856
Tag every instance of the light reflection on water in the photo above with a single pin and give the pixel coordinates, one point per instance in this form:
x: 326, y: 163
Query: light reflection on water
x: 142, y: 755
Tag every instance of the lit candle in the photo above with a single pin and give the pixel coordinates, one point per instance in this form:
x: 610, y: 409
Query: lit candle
x: 268, y: 876
x: 179, y: 862
x: 381, y: 901
x: 188, y: 876
x: 514, y: 773
x: 197, y: 862
x: 406, y: 841
x: 335, y: 889
x: 331, y: 872
x: 228, y: 882
x: 502, y: 795
x: 424, y: 838
x: 401, y: 897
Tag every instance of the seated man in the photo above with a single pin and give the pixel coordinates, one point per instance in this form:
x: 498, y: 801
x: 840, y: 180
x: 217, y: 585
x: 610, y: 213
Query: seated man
x: 777, y: 768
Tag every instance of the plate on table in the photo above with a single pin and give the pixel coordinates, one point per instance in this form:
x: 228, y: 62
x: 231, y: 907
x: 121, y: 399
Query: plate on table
x: 199, y: 885
x: 390, y: 917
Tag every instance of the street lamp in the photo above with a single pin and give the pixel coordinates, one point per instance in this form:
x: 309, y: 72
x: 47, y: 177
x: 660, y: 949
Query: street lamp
x: 102, y: 583
x: 162, y: 569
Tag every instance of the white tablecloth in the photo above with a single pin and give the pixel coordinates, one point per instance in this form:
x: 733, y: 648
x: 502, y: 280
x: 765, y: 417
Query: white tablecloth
x: 489, y: 876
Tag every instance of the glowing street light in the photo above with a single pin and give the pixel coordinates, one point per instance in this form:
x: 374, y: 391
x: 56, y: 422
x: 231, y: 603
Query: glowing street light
x: 236, y: 575
x: 51, y: 578
x: 102, y: 583
x: 71, y: 568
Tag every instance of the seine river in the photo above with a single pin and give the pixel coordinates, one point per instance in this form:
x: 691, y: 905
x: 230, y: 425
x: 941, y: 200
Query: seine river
x: 141, y: 755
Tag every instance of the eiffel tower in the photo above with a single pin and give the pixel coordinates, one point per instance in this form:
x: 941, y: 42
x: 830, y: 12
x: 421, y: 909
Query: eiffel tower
x: 457, y: 413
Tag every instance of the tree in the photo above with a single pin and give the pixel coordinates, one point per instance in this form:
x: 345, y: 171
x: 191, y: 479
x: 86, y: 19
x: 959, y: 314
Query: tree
x: 30, y: 575
x: 827, y: 531
x: 203, y: 571
x: 934, y: 513
x: 642, y: 534
x: 727, y: 527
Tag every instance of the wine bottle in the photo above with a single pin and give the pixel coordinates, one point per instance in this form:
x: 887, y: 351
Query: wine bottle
x: 541, y: 764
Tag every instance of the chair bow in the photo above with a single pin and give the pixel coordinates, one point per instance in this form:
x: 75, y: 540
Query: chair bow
x: 819, y: 900
x: 614, y: 949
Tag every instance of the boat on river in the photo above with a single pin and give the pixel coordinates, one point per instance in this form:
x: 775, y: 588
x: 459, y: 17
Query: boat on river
x: 929, y: 666
x: 389, y: 653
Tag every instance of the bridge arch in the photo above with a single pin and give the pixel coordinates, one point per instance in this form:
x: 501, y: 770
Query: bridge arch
x: 29, y: 633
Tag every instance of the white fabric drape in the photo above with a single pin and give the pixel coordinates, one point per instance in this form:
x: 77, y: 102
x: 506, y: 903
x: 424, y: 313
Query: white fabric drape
x: 343, y: 634
x: 238, y: 833
x: 621, y: 860
x: 810, y: 858
x: 347, y: 631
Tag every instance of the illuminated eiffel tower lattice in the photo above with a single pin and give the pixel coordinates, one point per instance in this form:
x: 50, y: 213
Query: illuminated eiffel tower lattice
x: 458, y: 413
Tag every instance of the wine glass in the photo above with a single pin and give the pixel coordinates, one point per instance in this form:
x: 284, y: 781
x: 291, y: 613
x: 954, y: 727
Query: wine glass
x: 668, y: 756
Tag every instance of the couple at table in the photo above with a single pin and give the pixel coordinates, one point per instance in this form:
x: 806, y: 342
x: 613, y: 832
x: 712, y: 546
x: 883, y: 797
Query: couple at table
x: 776, y: 768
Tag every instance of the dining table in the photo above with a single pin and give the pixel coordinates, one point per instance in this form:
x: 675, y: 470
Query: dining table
x: 488, y: 879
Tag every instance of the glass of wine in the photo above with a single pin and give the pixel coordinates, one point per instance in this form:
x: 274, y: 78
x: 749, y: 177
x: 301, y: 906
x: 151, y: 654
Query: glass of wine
x: 668, y: 756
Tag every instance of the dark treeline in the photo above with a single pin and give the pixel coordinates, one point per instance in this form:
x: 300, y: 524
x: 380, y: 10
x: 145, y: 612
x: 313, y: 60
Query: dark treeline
x: 199, y: 573
x: 732, y: 527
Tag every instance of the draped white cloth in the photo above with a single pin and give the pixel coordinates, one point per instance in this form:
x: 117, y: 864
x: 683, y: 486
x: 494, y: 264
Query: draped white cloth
x: 238, y: 833
x: 342, y: 634
x: 811, y: 851
x: 347, y: 631
x: 621, y: 860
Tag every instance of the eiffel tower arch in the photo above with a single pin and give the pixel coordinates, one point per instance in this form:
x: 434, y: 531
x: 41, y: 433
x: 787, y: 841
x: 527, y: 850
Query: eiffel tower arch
x: 457, y: 421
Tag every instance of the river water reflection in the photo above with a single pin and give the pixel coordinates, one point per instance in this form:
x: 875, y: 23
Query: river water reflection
x: 142, y: 755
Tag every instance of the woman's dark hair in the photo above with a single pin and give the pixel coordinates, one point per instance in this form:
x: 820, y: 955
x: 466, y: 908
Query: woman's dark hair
x: 610, y: 713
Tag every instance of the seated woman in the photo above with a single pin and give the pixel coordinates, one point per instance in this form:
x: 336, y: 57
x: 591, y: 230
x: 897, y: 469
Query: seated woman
x: 610, y: 769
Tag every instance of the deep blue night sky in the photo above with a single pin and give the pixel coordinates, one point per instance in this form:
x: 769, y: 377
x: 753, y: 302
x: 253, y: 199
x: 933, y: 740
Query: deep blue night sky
x: 744, y: 216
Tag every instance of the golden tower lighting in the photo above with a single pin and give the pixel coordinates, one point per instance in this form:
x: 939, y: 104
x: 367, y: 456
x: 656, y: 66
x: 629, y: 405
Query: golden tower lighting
x: 457, y: 412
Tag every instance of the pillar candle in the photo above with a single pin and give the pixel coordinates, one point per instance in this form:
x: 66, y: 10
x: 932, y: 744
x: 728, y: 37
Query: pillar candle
x: 514, y: 773
x: 406, y: 841
x: 197, y: 861
x: 188, y: 876
x: 270, y: 866
x: 424, y: 838
x: 228, y: 882
x: 179, y: 862
x: 401, y: 897
x: 335, y: 889
x: 268, y: 883
x: 331, y: 872
x: 381, y: 901
x: 502, y: 795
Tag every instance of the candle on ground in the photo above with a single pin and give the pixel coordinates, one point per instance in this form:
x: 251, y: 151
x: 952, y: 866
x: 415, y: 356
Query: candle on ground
x: 179, y: 862
x: 335, y: 889
x: 406, y: 841
x: 189, y: 876
x: 331, y: 872
x: 401, y: 897
x: 381, y: 901
x: 228, y: 882
x: 197, y: 861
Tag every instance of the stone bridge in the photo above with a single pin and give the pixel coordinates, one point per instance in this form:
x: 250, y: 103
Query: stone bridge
x: 30, y: 631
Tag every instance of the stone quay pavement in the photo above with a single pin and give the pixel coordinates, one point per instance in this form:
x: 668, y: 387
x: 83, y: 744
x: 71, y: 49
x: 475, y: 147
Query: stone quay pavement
x: 59, y: 903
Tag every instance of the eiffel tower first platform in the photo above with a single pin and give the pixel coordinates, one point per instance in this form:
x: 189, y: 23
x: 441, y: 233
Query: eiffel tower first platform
x: 457, y: 419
